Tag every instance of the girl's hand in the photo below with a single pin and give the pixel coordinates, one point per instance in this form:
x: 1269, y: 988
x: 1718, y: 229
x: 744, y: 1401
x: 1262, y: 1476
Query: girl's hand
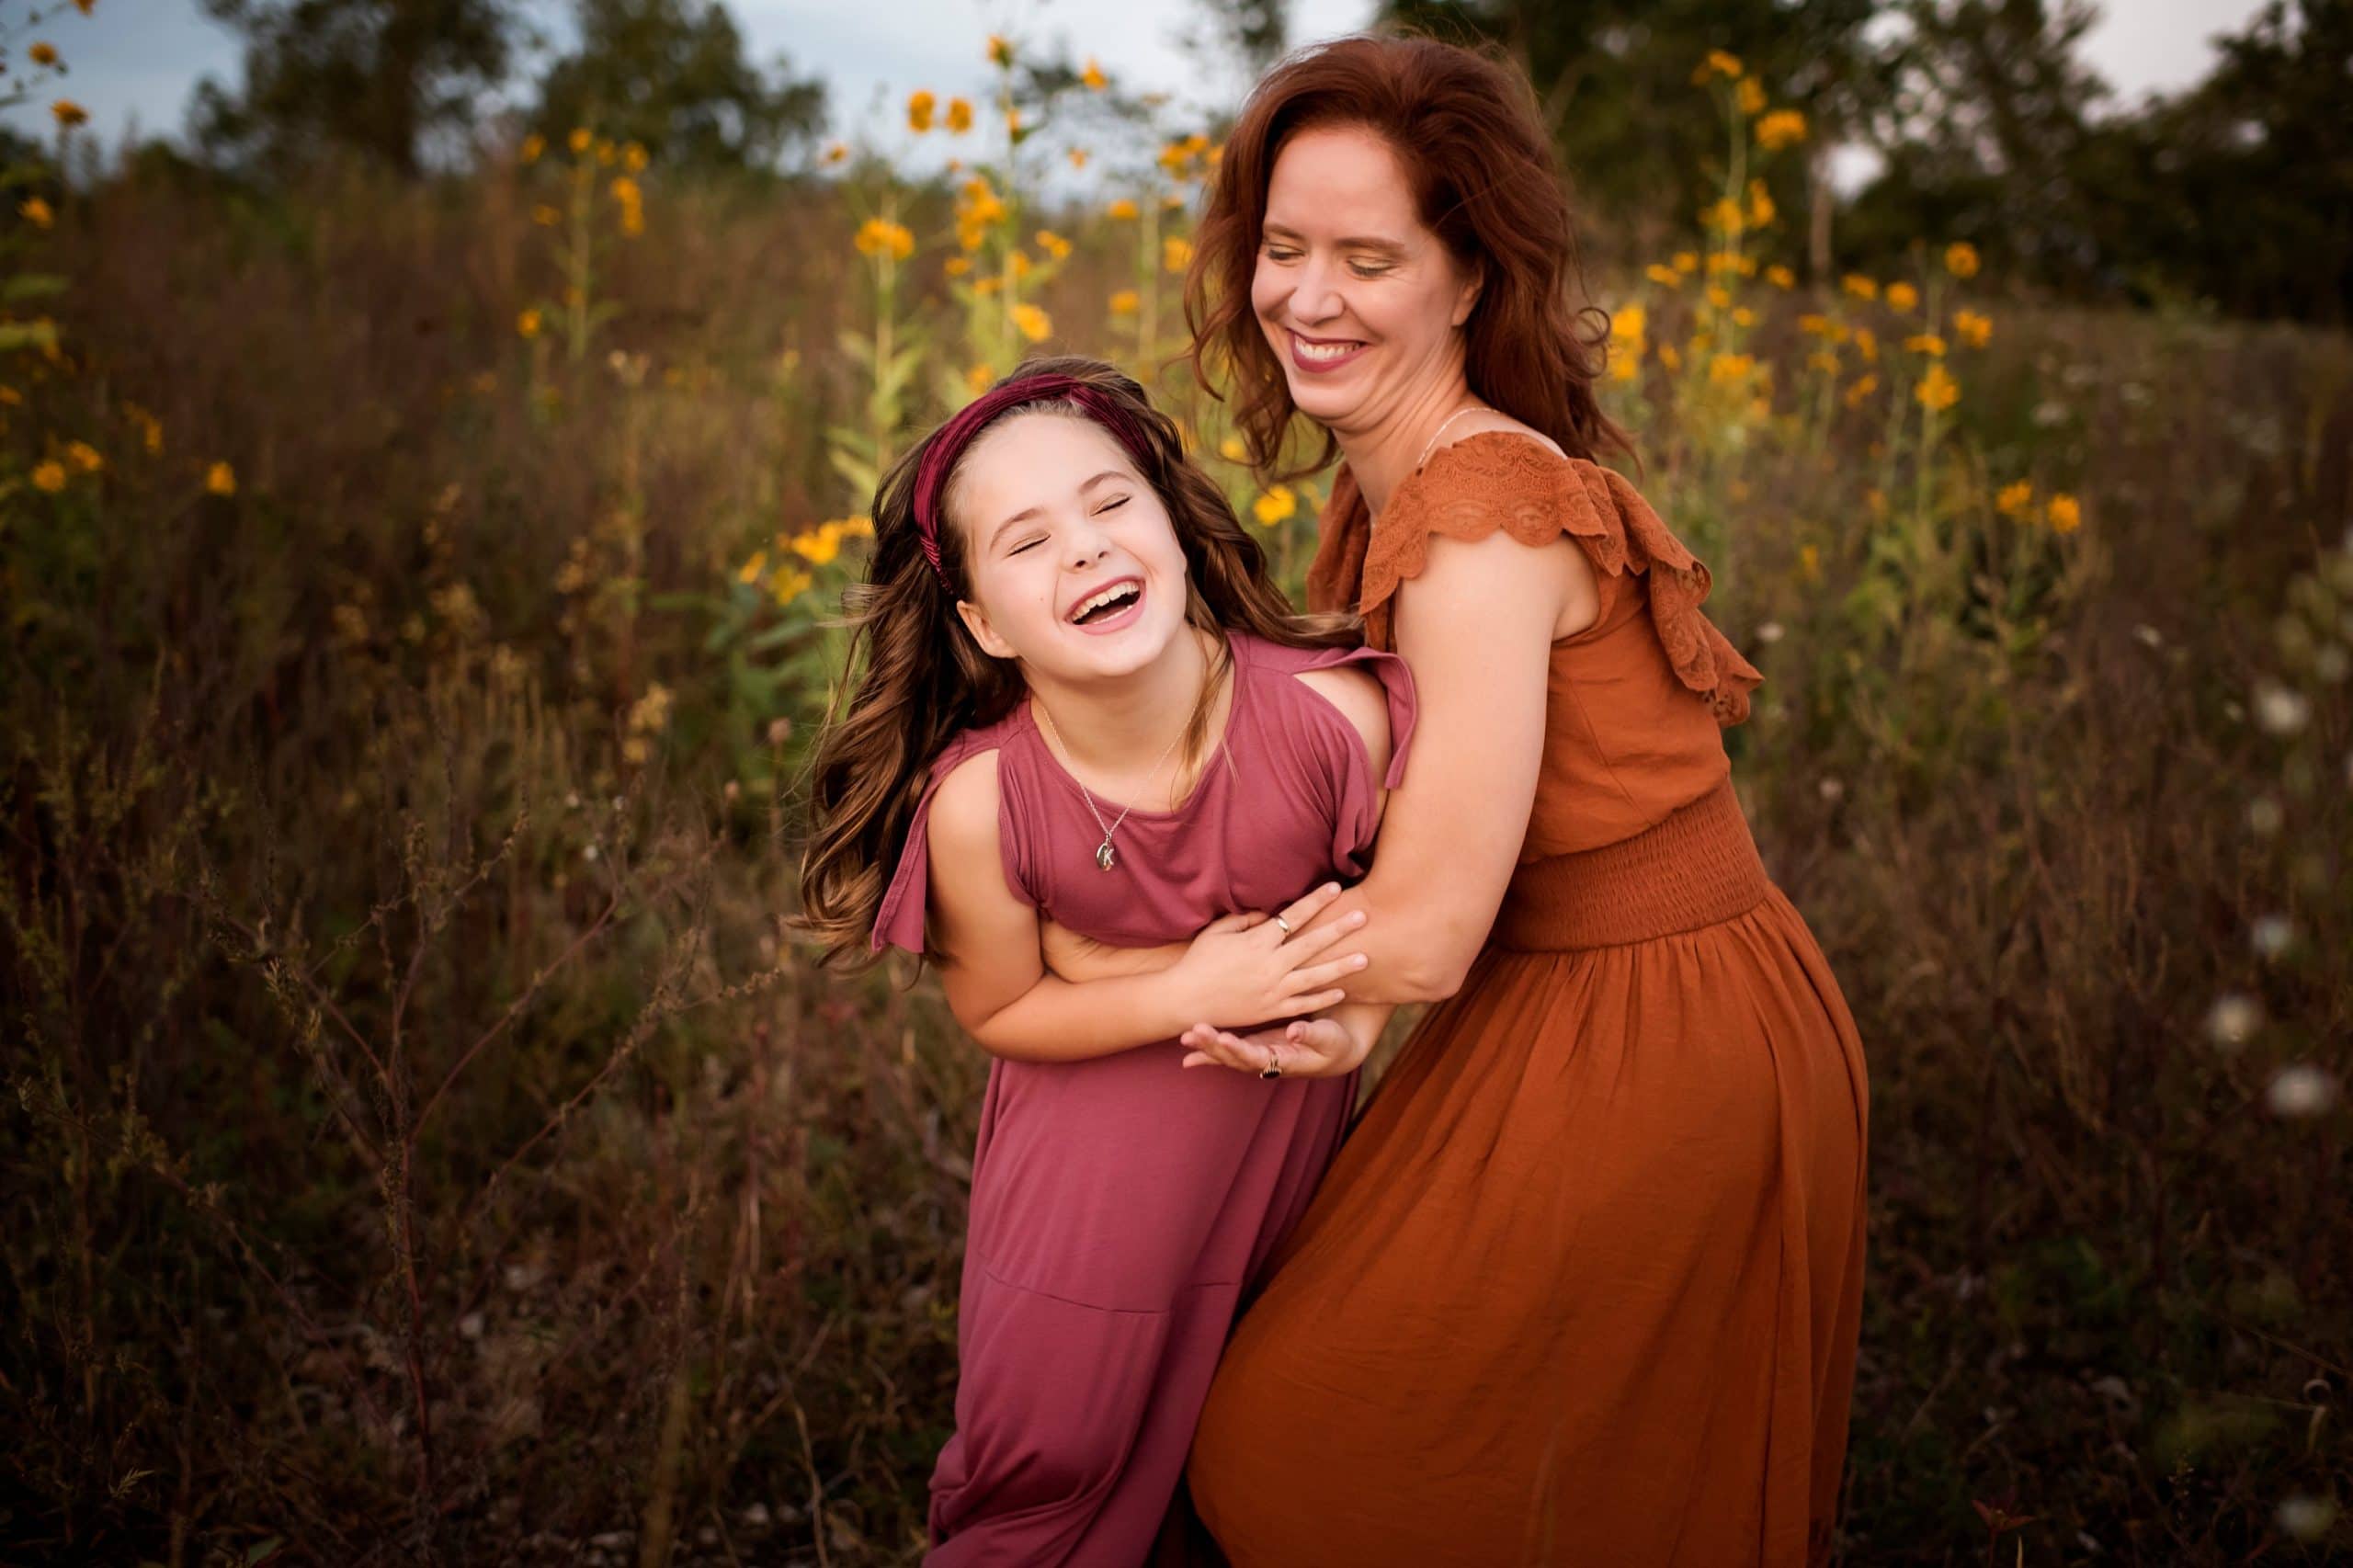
x: 1242, y: 969
x: 1307, y: 1048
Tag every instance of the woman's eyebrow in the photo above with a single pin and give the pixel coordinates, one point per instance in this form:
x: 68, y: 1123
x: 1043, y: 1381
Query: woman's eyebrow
x: 1352, y: 242
x: 1027, y: 512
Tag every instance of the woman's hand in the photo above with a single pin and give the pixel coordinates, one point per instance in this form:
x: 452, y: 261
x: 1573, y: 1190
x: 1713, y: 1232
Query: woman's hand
x: 1246, y: 968
x: 1306, y: 1048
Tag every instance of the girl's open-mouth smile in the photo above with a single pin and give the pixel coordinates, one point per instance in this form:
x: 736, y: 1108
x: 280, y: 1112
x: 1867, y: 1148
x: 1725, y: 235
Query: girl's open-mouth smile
x: 1110, y: 608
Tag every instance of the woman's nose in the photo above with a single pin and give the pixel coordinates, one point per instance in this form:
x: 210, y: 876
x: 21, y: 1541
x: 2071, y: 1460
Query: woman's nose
x: 1315, y: 299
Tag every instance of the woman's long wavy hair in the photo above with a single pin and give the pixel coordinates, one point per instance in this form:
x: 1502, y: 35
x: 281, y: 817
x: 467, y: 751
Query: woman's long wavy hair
x: 1464, y: 126
x: 925, y: 679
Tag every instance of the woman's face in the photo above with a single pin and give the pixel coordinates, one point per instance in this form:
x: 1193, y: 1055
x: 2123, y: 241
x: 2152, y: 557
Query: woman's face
x: 1361, y: 303
x: 1074, y: 564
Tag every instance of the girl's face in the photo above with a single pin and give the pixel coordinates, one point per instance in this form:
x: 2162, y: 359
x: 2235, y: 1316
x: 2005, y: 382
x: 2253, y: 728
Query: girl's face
x: 1360, y: 302
x: 1074, y: 564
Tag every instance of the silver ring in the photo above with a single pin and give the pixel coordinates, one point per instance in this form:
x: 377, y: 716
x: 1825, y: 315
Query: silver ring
x: 1284, y: 923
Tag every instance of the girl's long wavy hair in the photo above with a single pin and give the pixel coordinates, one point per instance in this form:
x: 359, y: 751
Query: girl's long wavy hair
x: 924, y: 679
x: 1464, y: 125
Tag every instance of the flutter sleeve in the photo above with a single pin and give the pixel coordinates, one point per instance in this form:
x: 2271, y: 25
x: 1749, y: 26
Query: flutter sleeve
x: 1499, y: 479
x: 899, y: 921
x: 1356, y: 793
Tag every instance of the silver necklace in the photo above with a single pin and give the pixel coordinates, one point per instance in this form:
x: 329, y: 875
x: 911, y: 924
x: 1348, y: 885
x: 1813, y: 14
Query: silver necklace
x: 1431, y: 444
x: 1103, y: 855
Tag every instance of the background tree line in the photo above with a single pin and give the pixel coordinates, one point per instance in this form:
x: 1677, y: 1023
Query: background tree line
x: 1981, y: 120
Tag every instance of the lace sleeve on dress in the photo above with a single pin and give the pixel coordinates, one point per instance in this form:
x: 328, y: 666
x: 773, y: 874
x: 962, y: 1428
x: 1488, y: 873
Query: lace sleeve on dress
x: 1501, y: 480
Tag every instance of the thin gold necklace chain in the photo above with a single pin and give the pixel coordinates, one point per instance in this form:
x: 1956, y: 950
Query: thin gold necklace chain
x: 1431, y: 445
x: 1103, y: 855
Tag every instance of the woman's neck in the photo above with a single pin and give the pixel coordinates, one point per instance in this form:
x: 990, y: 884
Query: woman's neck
x: 1116, y: 729
x: 1382, y: 453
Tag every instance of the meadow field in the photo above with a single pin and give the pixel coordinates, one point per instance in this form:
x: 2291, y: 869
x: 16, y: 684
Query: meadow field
x: 424, y: 1141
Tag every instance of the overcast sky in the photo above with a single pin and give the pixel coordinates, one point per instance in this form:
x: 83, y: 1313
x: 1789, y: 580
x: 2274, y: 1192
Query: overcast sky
x: 135, y: 61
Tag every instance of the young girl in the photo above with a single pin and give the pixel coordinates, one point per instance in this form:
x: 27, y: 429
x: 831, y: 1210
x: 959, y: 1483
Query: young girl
x: 1084, y: 700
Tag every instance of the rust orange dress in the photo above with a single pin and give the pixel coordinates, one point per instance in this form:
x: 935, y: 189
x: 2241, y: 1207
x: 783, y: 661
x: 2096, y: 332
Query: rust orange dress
x: 1583, y: 1285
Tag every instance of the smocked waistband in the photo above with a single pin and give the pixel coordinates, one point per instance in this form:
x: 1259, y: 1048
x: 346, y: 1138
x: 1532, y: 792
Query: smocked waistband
x: 1696, y: 867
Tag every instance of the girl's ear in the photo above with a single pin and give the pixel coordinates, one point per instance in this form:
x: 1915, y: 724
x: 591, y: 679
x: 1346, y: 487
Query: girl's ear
x: 976, y: 621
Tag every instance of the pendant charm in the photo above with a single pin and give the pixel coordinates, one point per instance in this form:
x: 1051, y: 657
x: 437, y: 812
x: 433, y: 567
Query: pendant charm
x: 1103, y: 855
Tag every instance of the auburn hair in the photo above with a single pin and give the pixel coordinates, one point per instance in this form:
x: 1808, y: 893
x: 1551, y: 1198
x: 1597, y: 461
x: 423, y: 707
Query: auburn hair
x: 916, y: 678
x: 1464, y: 126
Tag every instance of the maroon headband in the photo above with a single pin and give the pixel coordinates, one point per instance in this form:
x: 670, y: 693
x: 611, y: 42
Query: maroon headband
x: 949, y: 445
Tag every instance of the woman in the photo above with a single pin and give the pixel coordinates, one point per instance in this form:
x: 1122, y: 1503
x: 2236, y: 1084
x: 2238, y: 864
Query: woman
x: 1583, y: 1285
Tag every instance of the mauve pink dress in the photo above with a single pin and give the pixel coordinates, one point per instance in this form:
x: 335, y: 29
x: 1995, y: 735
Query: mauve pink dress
x: 1122, y: 1207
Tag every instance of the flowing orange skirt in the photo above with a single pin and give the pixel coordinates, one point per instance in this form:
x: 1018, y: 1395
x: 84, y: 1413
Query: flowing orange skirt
x: 1584, y: 1285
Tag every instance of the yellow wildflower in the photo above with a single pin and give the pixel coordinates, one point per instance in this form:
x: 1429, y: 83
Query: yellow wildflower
x: 1814, y: 324
x: 1782, y: 128
x: 1669, y: 358
x: 34, y: 211
x: 1175, y: 253
x: 2066, y: 516
x: 1719, y: 60
x: 1867, y: 343
x: 1000, y: 52
x: 581, y: 139
x: 1902, y: 297
x: 1719, y: 296
x: 1077, y: 156
x: 527, y: 321
x: 1926, y: 343
x: 1658, y: 273
x: 545, y: 216
x: 42, y: 54
x: 2012, y: 500
x: 1092, y: 77
x: 69, y: 113
x: 1863, y: 388
x: 1742, y: 316
x: 219, y: 479
x: 1724, y: 214
x: 83, y: 456
x: 1971, y: 328
x: 1860, y: 287
x: 959, y: 116
x: 858, y: 528
x: 790, y: 583
x: 1809, y: 562
x: 1960, y: 260
x: 1032, y: 323
x: 1017, y: 263
x: 957, y: 265
x: 1936, y: 391
x: 1274, y: 505
x: 978, y: 379
x: 1232, y: 450
x: 1761, y: 210
x: 1052, y: 243
x: 1125, y: 303
x: 633, y: 158
x: 836, y: 151
x: 1686, y: 262
x: 1751, y: 97
x: 751, y: 570
x: 1823, y: 359
x: 1629, y: 324
x: 1730, y: 370
x: 1780, y: 277
x: 1876, y: 499
x: 533, y: 146
x: 876, y: 237
x: 48, y: 475
x: 920, y: 105
x: 817, y: 548
x: 1122, y: 209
